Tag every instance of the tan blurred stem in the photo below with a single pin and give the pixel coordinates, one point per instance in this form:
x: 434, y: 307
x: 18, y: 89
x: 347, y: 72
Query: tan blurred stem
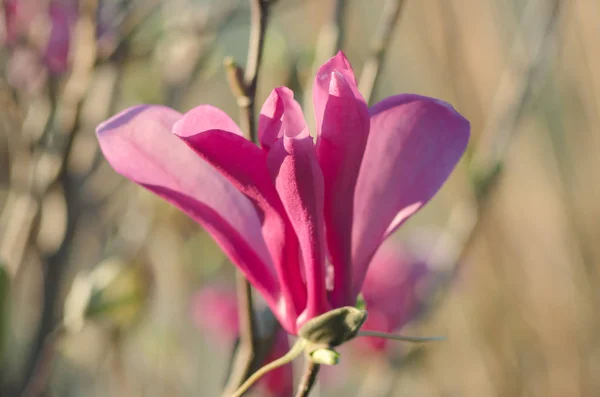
x: 309, y: 378
x: 65, y: 127
x: 536, y: 33
x: 117, y: 366
x: 246, y: 354
x: 378, y: 48
x: 329, y: 41
x: 247, y: 357
x: 259, y: 18
x: 43, y: 366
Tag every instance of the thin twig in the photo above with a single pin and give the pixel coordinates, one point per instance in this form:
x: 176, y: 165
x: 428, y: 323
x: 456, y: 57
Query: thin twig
x: 329, y: 41
x: 65, y: 128
x: 247, y: 357
x: 370, y: 73
x: 402, y: 338
x: 259, y: 12
x: 244, y: 361
x: 309, y: 378
x: 43, y: 366
x: 294, y: 352
x: 536, y: 32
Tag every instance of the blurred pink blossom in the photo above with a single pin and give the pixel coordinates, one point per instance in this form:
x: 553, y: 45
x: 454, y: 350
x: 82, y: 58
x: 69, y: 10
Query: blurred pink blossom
x: 280, y: 210
x: 392, y: 290
x: 45, y: 25
x: 214, y: 310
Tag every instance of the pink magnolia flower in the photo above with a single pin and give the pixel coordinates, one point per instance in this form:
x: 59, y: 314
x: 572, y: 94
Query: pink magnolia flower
x: 301, y: 220
x: 215, y: 310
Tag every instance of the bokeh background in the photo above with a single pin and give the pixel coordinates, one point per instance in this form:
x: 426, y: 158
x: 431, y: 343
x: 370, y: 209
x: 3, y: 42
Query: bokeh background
x: 519, y: 219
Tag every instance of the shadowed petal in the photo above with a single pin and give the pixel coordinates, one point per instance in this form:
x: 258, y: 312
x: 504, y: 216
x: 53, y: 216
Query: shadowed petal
x: 342, y: 130
x: 139, y: 145
x: 390, y: 290
x: 245, y: 166
x: 279, y: 382
x: 299, y: 182
x: 414, y: 144
x: 271, y: 113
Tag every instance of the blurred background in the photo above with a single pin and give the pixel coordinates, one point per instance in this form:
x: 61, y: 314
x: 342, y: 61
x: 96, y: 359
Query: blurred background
x: 512, y: 237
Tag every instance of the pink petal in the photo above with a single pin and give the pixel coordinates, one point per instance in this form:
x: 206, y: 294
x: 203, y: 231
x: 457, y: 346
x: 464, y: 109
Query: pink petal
x: 342, y: 131
x: 414, y: 144
x: 214, y: 310
x: 390, y: 290
x: 271, y: 113
x: 206, y: 130
x: 279, y: 382
x: 299, y: 182
x: 63, y: 17
x: 322, y: 81
x: 138, y: 143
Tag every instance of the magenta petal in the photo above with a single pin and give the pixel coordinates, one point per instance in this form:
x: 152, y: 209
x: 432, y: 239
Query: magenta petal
x: 390, y: 289
x: 414, y: 144
x: 343, y: 128
x: 63, y: 17
x: 322, y: 82
x: 205, y: 118
x: 245, y: 166
x: 214, y: 310
x: 271, y: 113
x: 138, y: 143
x: 299, y: 182
x: 279, y: 382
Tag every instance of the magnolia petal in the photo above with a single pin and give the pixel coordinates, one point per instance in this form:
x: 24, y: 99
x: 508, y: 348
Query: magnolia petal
x: 322, y: 82
x: 271, y: 114
x: 390, y: 290
x: 63, y: 17
x: 343, y: 128
x: 414, y: 144
x: 245, y: 166
x: 139, y: 145
x: 280, y: 381
x: 298, y: 179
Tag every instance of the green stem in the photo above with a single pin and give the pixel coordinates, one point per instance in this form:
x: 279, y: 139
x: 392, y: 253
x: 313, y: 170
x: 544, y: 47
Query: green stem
x: 294, y: 352
x: 402, y: 338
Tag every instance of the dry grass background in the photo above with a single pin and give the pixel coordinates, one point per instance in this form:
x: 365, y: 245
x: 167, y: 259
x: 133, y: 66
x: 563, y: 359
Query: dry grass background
x: 521, y: 316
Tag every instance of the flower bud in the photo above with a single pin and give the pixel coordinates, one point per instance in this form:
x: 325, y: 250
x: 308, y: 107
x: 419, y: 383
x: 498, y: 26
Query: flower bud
x: 325, y: 356
x: 334, y: 327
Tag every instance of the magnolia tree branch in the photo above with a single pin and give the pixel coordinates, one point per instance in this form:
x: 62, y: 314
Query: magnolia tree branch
x: 64, y: 128
x: 259, y: 14
x: 243, y: 85
x: 371, y: 70
x: 534, y: 37
x: 309, y: 378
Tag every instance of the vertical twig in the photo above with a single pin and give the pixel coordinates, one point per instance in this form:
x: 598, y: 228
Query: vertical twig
x: 309, y: 378
x: 246, y: 358
x: 42, y: 370
x: 513, y: 94
x: 259, y: 13
x: 65, y: 127
x: 370, y: 73
x: 329, y: 41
